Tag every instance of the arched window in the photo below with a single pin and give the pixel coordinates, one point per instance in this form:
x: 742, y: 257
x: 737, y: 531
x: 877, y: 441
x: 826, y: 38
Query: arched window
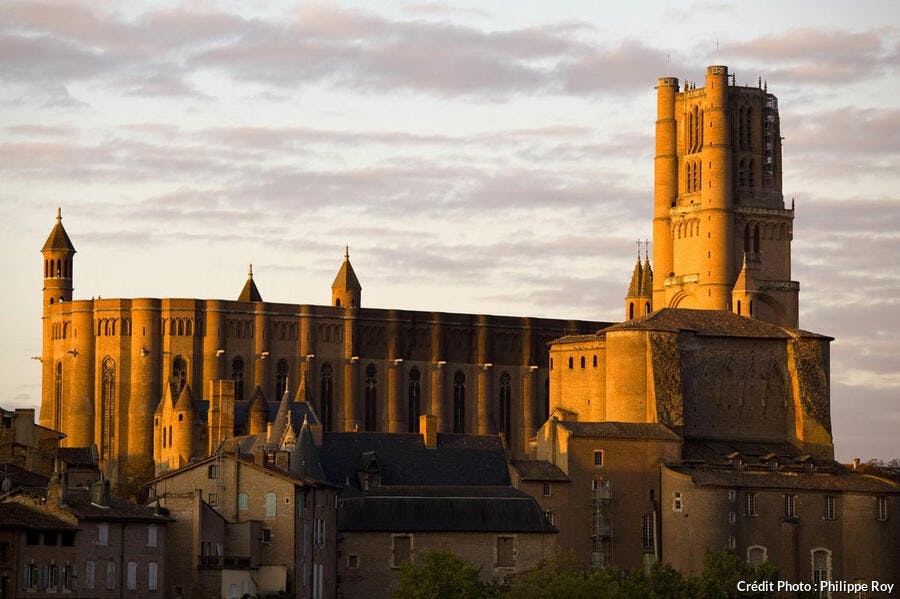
x: 748, y: 128
x: 179, y: 375
x: 237, y: 375
x: 415, y: 397
x: 188, y: 327
x: 630, y: 310
x: 327, y: 397
x: 181, y: 326
x: 52, y: 268
x: 739, y: 307
x: 756, y: 555
x: 821, y: 566
x: 582, y: 361
x: 57, y: 396
x: 459, y: 402
x: 281, y: 377
x: 371, y: 416
x: 747, y: 238
x: 506, y: 404
x: 172, y: 327
x: 108, y: 407
x: 595, y: 360
x: 646, y: 311
x: 756, y: 239
x: 750, y: 163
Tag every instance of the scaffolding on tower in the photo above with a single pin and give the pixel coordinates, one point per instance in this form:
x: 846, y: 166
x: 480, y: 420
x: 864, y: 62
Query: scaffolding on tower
x: 601, y: 523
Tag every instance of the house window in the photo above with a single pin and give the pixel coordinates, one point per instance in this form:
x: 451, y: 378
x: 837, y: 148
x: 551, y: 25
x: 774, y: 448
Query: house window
x: 732, y: 517
x: 598, y: 457
x: 110, y: 575
x: 677, y: 501
x: 402, y: 549
x: 270, y: 505
x: 506, y: 557
x: 821, y: 567
x: 90, y: 572
x: 549, y: 516
x: 547, y: 489
x: 732, y: 495
x: 213, y: 500
x: 31, y: 577
x: 212, y: 471
x: 790, y: 511
x: 66, y: 573
x: 152, y: 576
x: 151, y: 535
x: 353, y: 561
x: 103, y: 534
x: 266, y: 536
x: 881, y: 508
x: 131, y: 577
x: 751, y: 503
x: 829, y: 507
x: 243, y: 501
x: 648, y: 533
x: 756, y: 555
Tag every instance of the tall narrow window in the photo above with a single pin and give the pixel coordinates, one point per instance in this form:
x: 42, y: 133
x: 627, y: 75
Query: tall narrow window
x: 281, y: 377
x: 747, y: 238
x: 829, y: 507
x: 506, y: 403
x: 790, y: 509
x: 110, y: 575
x: 237, y: 375
x: 327, y: 397
x: 756, y: 239
x: 108, y: 408
x: 152, y: 576
x: 57, y: 397
x: 371, y: 415
x: 271, y: 501
x: 131, y: 576
x: 821, y: 568
x: 179, y: 375
x: 546, y: 399
x: 415, y: 398
x: 459, y: 402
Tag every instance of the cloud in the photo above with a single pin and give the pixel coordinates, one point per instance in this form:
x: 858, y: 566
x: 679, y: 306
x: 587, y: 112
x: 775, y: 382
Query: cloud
x: 844, y: 131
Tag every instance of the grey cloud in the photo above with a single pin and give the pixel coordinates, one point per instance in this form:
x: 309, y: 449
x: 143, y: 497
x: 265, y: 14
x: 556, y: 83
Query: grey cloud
x: 843, y: 131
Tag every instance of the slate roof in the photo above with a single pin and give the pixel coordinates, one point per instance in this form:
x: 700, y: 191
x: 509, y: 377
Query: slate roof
x: 78, y: 456
x: 762, y: 479
x: 713, y: 323
x: 443, y: 509
x: 20, y: 477
x: 17, y: 515
x: 541, y: 470
x: 620, y: 430
x: 404, y: 460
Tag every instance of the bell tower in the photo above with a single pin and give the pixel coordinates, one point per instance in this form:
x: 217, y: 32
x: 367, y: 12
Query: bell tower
x: 58, y: 254
x: 346, y: 292
x: 719, y: 213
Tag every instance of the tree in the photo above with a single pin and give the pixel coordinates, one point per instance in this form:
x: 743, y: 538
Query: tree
x: 723, y: 569
x: 439, y: 574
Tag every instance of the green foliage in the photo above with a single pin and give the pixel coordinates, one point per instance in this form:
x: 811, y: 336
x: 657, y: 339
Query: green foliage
x: 439, y: 574
x: 723, y: 569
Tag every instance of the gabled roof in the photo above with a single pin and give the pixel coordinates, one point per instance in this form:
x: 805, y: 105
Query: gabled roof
x: 620, y: 430
x: 250, y: 293
x: 58, y: 239
x: 710, y: 323
x: 78, y: 456
x: 304, y: 459
x: 761, y: 479
x: 185, y: 402
x: 78, y: 503
x: 346, y: 278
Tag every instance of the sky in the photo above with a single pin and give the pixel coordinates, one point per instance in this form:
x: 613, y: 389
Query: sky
x: 485, y: 157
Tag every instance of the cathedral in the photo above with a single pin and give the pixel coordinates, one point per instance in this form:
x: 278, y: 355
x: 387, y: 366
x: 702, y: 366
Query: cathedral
x: 145, y: 377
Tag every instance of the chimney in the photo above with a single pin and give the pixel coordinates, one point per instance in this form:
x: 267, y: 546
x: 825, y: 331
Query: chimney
x: 58, y: 487
x: 428, y: 427
x: 855, y: 463
x: 100, y: 492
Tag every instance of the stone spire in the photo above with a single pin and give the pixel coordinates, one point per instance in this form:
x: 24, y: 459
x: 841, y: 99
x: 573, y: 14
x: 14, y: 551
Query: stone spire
x: 250, y: 293
x: 304, y: 460
x: 346, y: 292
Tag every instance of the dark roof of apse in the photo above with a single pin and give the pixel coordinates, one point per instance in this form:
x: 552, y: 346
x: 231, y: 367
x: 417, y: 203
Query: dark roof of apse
x: 714, y: 323
x: 620, y: 430
x: 403, y: 459
x: 299, y: 411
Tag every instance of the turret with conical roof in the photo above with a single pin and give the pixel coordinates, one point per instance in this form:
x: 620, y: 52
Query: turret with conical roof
x: 304, y: 460
x: 250, y: 293
x: 58, y: 262
x: 639, y: 300
x: 346, y: 291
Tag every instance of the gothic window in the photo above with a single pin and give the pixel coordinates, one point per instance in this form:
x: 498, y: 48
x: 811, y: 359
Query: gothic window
x: 459, y: 402
x: 748, y: 128
x: 327, y: 382
x: 57, y: 396
x: 506, y: 403
x: 741, y: 176
x: 821, y: 567
x: 180, y: 326
x: 237, y: 375
x: 179, y: 374
x: 281, y: 376
x: 699, y: 174
x: 756, y: 239
x: 188, y: 327
x: 108, y: 407
x: 747, y: 238
x: 750, y: 172
x: 371, y: 416
x: 415, y: 397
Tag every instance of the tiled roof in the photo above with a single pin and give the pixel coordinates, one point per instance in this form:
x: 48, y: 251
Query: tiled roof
x: 715, y: 323
x: 20, y: 477
x: 762, y: 479
x: 443, y: 509
x: 79, y: 504
x: 78, y: 456
x: 576, y: 338
x: 17, y: 515
x: 539, y: 470
x: 620, y: 430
